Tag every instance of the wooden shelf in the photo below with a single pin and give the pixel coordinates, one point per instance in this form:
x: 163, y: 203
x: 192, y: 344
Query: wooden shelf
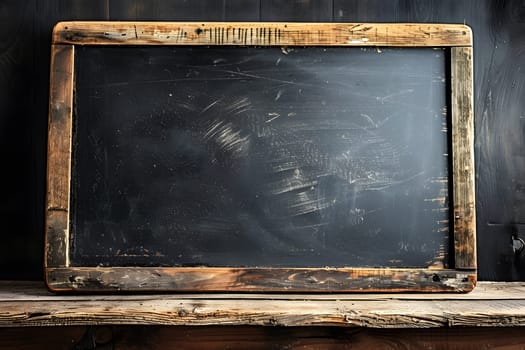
x: 490, y: 304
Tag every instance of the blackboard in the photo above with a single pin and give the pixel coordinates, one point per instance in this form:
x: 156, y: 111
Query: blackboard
x: 262, y: 158
x: 308, y: 157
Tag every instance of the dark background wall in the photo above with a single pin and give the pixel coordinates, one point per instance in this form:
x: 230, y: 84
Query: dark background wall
x: 499, y: 46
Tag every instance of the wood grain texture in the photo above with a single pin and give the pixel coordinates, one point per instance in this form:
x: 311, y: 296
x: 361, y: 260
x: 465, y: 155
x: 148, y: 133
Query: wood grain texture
x: 246, y: 337
x: 250, y: 279
x: 463, y: 158
x: 500, y: 138
x: 258, y: 279
x: 316, y: 338
x: 480, y: 309
x: 59, y: 155
x: 276, y: 34
x: 484, y: 292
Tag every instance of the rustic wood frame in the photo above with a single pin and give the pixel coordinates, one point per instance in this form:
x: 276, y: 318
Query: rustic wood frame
x: 60, y: 276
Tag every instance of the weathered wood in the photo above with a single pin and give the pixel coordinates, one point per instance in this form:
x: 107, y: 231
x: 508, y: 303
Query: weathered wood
x: 270, y: 34
x: 258, y: 279
x: 463, y: 158
x: 59, y: 155
x: 61, y: 278
x: 316, y: 338
x: 484, y: 291
x: 242, y: 337
x: 57, y: 237
x: 374, y: 310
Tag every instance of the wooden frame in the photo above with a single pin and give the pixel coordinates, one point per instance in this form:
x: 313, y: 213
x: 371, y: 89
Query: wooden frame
x: 60, y: 276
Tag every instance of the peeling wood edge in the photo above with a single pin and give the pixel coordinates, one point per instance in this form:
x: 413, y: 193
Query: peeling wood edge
x: 262, y: 33
x: 59, y: 156
x: 282, y: 280
x: 463, y: 177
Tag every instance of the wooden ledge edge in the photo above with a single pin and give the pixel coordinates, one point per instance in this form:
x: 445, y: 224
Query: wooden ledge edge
x: 256, y: 280
x: 261, y: 33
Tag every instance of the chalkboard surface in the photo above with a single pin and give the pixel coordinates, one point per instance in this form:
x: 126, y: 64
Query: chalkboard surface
x: 260, y: 157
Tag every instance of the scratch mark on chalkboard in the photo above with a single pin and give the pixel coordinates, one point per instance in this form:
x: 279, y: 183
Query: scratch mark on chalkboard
x: 335, y: 86
x: 273, y: 117
x: 286, y: 50
x: 160, y: 81
x: 402, y: 92
x: 228, y: 139
x: 218, y: 61
x: 210, y: 106
x: 302, y: 203
x: 261, y: 77
x: 267, y: 155
x: 238, y: 106
x: 443, y: 180
x: 440, y: 200
x: 290, y: 184
x: 370, y: 120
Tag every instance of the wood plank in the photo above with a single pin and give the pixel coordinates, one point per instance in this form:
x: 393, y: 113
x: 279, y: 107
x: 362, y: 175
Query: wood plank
x: 316, y: 338
x: 277, y: 34
x: 175, y: 310
x: 59, y: 155
x: 374, y: 314
x: 44, y: 15
x: 35, y: 291
x: 491, y: 304
x: 258, y: 279
x: 224, y: 337
x: 463, y: 158
x: 484, y: 291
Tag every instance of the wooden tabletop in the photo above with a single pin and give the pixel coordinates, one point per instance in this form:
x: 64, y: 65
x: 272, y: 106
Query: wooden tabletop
x: 490, y: 304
